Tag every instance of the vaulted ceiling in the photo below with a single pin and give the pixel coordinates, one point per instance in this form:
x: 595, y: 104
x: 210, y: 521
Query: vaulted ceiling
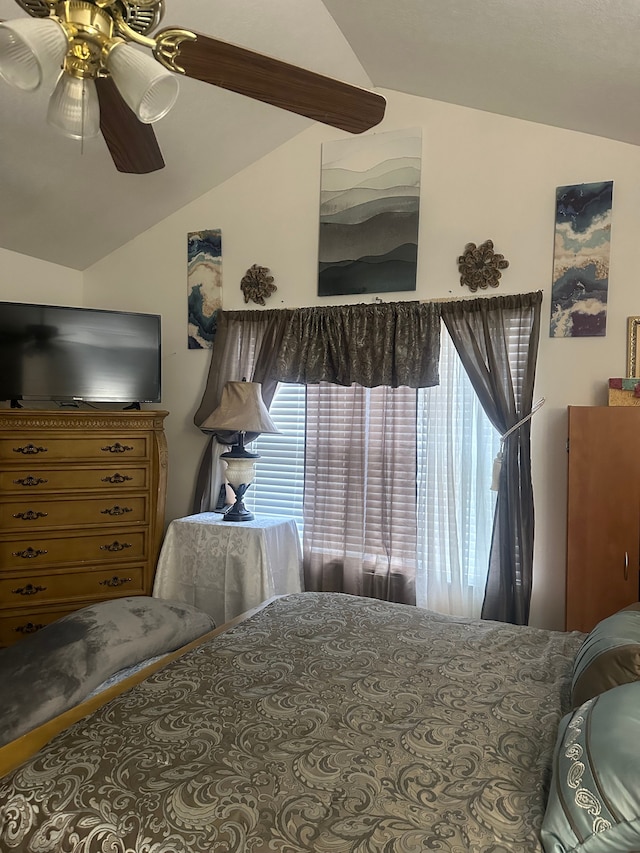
x: 572, y: 64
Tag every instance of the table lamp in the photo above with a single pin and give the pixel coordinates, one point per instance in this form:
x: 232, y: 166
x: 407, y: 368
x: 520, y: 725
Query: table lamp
x: 241, y: 411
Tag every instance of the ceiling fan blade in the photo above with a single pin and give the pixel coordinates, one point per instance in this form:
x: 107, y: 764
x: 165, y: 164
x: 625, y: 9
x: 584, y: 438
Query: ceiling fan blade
x: 132, y: 144
x: 278, y: 83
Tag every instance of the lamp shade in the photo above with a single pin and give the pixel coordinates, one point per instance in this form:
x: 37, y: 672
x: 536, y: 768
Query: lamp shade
x: 74, y: 107
x: 148, y: 89
x: 241, y: 409
x: 31, y: 50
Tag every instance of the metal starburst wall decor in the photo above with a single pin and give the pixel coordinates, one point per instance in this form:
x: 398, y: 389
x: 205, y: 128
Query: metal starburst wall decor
x: 257, y: 284
x: 480, y: 267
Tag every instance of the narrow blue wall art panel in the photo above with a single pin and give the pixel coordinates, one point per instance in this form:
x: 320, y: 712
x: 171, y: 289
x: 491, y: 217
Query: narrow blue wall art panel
x: 581, y: 260
x: 204, y: 286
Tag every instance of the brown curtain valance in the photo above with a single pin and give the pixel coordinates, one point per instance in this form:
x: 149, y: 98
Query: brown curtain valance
x: 392, y: 344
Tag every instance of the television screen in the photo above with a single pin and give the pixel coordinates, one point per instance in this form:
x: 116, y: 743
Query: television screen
x: 50, y: 352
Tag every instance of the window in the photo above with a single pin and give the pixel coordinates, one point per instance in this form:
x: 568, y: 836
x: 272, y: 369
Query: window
x: 456, y: 446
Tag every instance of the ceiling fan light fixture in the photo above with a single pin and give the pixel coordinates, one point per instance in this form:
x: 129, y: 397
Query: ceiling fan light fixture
x: 31, y: 50
x: 74, y: 108
x: 147, y: 88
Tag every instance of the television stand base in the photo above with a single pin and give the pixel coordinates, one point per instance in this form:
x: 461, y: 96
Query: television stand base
x: 16, y: 405
x: 131, y: 406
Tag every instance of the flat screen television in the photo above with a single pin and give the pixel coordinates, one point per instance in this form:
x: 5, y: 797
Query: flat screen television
x: 73, y: 355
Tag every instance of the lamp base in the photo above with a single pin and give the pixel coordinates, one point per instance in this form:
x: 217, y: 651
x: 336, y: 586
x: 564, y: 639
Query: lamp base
x: 238, y: 512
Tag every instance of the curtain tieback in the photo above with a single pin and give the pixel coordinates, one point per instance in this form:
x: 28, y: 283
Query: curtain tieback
x: 497, y: 462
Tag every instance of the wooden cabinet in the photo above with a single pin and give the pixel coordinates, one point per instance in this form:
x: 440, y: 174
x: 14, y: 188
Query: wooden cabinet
x: 603, y: 521
x: 82, y: 498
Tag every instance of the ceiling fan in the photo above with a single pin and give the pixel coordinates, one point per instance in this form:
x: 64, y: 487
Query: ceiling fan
x: 107, y: 85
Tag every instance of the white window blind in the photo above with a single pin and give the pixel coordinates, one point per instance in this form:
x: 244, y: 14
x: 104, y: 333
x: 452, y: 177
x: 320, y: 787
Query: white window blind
x: 362, y: 452
x: 279, y: 480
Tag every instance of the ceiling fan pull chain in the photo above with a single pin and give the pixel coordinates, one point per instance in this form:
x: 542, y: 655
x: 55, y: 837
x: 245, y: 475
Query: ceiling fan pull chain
x: 84, y: 113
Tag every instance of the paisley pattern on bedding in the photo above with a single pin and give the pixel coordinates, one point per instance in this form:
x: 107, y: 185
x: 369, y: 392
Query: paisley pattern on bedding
x: 325, y: 723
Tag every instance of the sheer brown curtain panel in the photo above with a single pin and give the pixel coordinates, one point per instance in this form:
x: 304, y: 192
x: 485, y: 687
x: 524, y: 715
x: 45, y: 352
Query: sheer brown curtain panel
x: 497, y: 341
x: 244, y: 348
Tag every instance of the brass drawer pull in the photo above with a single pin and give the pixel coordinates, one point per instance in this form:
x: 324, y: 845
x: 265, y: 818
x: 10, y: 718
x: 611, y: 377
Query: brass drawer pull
x: 117, y: 448
x: 29, y: 589
x: 117, y: 478
x: 28, y: 553
x: 116, y: 546
x: 30, y: 481
x: 30, y: 449
x: 29, y: 628
x: 116, y: 510
x: 115, y: 581
x: 30, y: 515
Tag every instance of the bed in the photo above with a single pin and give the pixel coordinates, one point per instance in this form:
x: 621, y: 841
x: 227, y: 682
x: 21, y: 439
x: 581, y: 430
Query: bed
x: 321, y: 722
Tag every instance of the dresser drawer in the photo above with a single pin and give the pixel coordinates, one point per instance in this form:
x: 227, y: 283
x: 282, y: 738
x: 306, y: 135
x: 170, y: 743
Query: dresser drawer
x: 39, y: 553
x: 27, y: 514
x: 48, y: 448
x: 49, y: 588
x: 17, y: 626
x: 35, y: 479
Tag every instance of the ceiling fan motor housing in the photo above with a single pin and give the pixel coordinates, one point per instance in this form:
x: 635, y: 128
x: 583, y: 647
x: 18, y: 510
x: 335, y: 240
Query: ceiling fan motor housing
x: 90, y: 33
x: 90, y: 28
x: 142, y: 17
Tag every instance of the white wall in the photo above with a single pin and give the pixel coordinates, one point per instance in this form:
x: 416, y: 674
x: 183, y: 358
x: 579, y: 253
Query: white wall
x: 484, y: 176
x: 24, y: 279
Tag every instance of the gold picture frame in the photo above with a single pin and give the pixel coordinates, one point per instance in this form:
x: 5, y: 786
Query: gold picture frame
x: 633, y: 331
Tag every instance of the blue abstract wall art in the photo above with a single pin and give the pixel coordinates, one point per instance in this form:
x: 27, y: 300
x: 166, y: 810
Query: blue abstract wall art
x: 581, y: 260
x: 369, y: 210
x: 204, y: 283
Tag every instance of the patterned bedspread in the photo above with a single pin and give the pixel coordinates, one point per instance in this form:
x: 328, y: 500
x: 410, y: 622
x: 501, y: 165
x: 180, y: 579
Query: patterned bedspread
x: 325, y: 723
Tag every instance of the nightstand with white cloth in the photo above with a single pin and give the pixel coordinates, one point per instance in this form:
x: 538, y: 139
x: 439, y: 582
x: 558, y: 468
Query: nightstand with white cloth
x: 225, y: 567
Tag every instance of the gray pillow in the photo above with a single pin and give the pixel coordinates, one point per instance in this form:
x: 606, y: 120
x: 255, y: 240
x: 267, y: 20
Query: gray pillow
x: 608, y: 657
x: 56, y: 668
x: 594, y: 801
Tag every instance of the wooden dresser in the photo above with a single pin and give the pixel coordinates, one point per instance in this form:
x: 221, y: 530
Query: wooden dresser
x: 82, y: 498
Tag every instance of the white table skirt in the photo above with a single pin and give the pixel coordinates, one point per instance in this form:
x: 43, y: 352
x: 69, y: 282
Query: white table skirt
x: 226, y: 567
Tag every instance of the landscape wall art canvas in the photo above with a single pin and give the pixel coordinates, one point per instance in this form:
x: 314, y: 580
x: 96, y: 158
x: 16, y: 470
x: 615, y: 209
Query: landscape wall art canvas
x: 204, y: 283
x: 581, y: 260
x: 369, y: 211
